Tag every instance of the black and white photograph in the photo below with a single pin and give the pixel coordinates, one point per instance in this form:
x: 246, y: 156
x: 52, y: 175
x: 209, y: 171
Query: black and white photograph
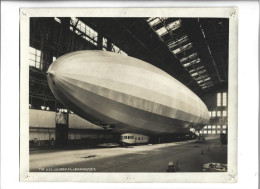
x: 132, y: 91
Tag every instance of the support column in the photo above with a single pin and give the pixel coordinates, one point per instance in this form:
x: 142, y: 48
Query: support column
x: 109, y: 46
x: 100, y: 42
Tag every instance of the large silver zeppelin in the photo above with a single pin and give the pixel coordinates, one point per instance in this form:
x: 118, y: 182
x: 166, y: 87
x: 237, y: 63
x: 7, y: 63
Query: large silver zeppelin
x: 129, y: 94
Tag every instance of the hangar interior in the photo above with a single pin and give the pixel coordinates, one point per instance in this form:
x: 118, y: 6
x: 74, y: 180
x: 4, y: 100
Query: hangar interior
x: 192, y: 50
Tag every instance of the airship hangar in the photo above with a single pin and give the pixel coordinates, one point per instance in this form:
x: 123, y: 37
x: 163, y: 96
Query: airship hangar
x: 128, y: 94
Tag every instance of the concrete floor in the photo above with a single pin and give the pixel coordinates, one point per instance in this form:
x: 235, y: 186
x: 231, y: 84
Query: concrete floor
x: 145, y: 158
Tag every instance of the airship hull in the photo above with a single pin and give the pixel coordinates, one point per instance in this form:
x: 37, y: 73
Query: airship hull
x: 126, y: 93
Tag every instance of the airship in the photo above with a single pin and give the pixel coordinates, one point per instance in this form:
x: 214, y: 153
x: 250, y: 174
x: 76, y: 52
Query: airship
x: 125, y: 94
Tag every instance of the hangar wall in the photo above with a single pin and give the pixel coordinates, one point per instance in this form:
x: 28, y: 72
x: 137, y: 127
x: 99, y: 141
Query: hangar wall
x: 46, y: 128
x: 217, y: 104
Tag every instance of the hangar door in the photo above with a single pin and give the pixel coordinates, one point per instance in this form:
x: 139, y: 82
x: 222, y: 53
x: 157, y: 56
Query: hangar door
x: 62, y: 128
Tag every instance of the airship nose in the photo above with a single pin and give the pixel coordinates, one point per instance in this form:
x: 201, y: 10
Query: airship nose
x: 51, y: 72
x: 51, y: 75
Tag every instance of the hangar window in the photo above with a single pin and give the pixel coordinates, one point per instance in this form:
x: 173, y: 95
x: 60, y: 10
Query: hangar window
x: 213, y: 113
x: 224, y: 127
x: 213, y: 132
x: 210, y: 113
x: 205, y: 131
x: 63, y: 110
x: 104, y: 41
x: 213, y: 126
x: 218, y: 99
x: 218, y: 127
x: 218, y: 132
x: 117, y: 49
x: 209, y: 126
x: 82, y: 28
x: 224, y: 99
x: 218, y: 113
x: 209, y: 132
x: 224, y: 132
x: 35, y: 58
x: 224, y: 113
x: 54, y: 58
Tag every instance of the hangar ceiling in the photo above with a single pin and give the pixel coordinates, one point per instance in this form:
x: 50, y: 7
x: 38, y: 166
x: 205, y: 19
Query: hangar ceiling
x: 192, y: 50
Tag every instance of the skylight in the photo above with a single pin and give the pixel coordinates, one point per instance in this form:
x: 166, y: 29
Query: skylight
x: 85, y: 29
x: 57, y: 19
x: 174, y: 25
x: 193, y: 70
x: 179, y: 41
x: 203, y: 84
x: 207, y: 79
x: 177, y: 51
x: 196, y: 69
x: 183, y: 48
x: 161, y: 31
x: 150, y: 19
x: 117, y: 49
x: 192, y: 56
x: 186, y: 47
x: 194, y: 74
x: 200, y: 81
x: 170, y: 27
x: 187, y: 65
x: 201, y: 77
x: 154, y: 21
x: 202, y: 71
x: 193, y: 61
